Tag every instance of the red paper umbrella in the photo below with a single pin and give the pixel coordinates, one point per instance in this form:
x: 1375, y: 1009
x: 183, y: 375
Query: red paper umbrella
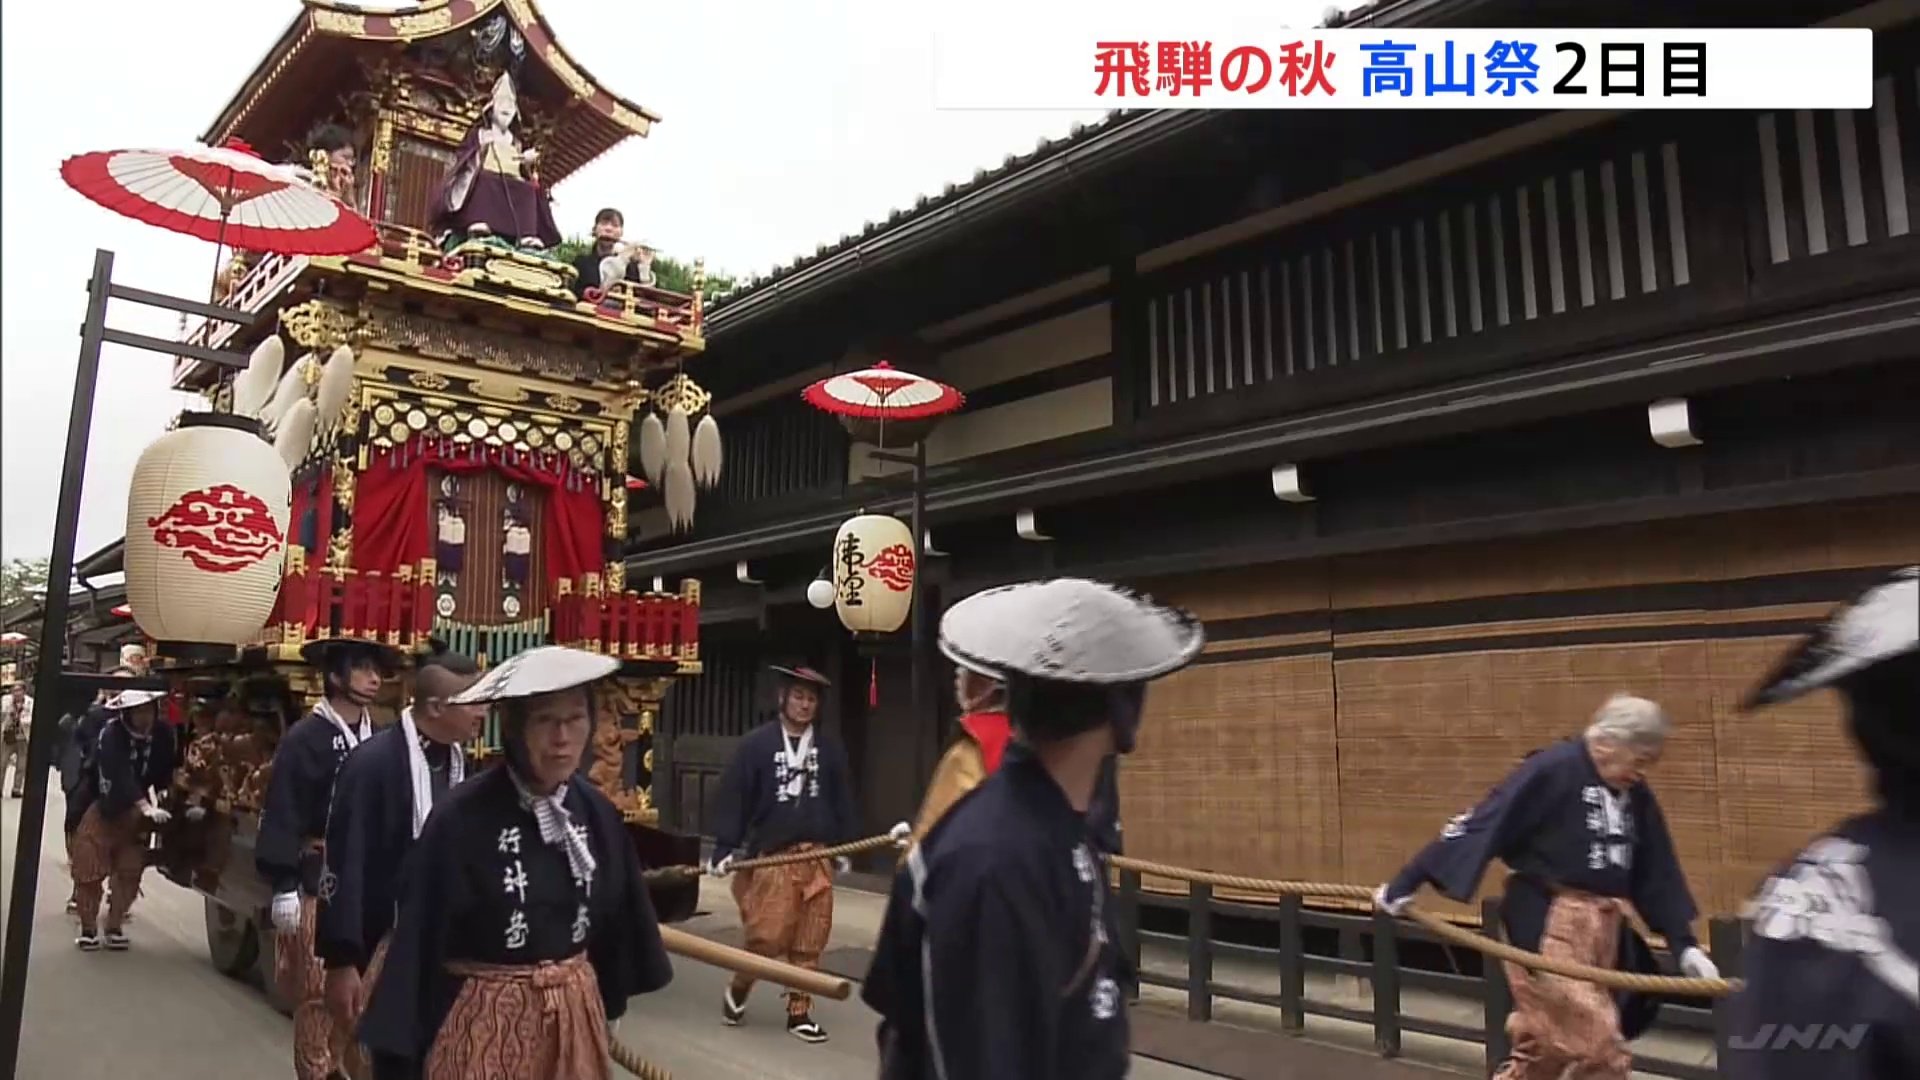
x: 124, y: 611
x: 883, y: 392
x: 227, y: 195
x: 12, y: 638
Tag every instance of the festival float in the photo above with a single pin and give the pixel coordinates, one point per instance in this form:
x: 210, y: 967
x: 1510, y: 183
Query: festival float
x: 455, y: 409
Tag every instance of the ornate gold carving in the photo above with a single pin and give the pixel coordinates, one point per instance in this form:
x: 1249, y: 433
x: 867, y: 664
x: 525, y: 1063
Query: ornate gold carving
x: 630, y: 120
x: 318, y: 325
x: 383, y: 143
x: 350, y: 23
x: 423, y: 23
x: 448, y: 340
x: 342, y: 486
x: 617, y: 577
x: 428, y: 380
x: 487, y: 388
x: 683, y: 393
x: 511, y: 270
x: 340, y: 548
x: 565, y: 403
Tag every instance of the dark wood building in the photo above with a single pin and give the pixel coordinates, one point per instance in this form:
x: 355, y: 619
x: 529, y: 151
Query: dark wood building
x: 1449, y: 424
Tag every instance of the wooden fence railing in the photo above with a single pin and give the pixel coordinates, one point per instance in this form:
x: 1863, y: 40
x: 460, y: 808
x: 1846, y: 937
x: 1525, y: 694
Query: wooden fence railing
x: 324, y: 602
x: 1372, y: 947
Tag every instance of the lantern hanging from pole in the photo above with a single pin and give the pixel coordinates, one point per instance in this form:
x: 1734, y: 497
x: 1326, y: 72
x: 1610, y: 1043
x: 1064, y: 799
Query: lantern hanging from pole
x: 207, y: 517
x: 873, y: 573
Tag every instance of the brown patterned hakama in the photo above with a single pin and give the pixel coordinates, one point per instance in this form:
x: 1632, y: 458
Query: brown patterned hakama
x: 534, y: 1022
x: 106, y: 848
x: 1559, y: 1023
x: 787, y: 913
x: 321, y: 1045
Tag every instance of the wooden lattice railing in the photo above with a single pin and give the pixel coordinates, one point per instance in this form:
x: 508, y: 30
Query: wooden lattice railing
x: 629, y: 625
x: 323, y: 602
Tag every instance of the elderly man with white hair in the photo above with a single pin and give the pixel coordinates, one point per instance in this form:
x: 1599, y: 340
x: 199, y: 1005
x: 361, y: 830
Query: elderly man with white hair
x: 1581, y: 832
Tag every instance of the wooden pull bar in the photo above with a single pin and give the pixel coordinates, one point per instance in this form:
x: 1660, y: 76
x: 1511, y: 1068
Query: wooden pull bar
x: 681, y: 943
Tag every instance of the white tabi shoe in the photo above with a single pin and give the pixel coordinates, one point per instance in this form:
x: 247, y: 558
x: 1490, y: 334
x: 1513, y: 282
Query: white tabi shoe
x: 87, y: 943
x: 804, y: 1029
x: 731, y: 1011
x: 116, y: 941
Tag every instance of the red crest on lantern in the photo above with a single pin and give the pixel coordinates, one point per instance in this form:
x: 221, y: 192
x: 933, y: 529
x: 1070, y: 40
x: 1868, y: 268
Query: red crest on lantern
x: 219, y: 529
x: 893, y: 567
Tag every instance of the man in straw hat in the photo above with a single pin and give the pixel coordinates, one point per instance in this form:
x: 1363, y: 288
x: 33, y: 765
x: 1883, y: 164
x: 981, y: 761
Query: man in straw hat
x: 289, y: 850
x: 135, y: 759
x: 1581, y: 831
x: 524, y: 925
x: 788, y: 789
x: 1833, y: 962
x: 381, y: 800
x: 1016, y: 862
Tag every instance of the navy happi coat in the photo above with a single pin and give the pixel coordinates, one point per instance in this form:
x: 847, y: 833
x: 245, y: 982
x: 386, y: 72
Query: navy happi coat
x: 1833, y: 961
x: 127, y: 764
x: 758, y: 810
x: 481, y: 886
x: 1002, y: 916
x: 298, y: 798
x: 1557, y: 825
x: 369, y: 834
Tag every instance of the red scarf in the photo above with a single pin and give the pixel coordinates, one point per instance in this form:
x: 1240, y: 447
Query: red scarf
x: 991, y: 730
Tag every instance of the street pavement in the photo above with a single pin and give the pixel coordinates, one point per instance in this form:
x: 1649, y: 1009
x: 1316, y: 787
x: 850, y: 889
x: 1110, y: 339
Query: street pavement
x: 161, y: 1012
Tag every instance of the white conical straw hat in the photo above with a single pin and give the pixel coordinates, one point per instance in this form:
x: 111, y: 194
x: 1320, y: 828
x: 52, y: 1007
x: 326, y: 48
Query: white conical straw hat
x: 1069, y: 630
x: 545, y: 670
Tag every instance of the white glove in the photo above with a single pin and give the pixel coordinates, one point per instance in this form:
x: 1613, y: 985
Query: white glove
x: 900, y: 833
x: 155, y: 814
x: 195, y: 813
x: 530, y: 156
x: 286, y: 912
x: 721, y: 868
x: 1395, y: 907
x: 842, y: 865
x: 1697, y: 965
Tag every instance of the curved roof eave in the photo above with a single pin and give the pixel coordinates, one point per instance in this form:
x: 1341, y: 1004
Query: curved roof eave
x: 334, y: 18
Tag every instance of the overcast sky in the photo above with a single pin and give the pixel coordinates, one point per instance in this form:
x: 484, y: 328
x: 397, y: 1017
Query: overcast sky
x: 786, y: 124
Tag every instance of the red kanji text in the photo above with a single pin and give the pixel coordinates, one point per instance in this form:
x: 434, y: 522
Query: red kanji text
x: 1122, y: 65
x: 1186, y: 64
x: 1301, y: 74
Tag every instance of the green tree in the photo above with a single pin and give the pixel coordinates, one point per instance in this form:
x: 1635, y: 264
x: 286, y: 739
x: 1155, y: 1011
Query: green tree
x: 20, y: 578
x: 672, y: 274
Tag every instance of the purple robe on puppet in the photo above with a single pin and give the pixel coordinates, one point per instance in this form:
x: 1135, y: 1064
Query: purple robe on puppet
x: 486, y: 193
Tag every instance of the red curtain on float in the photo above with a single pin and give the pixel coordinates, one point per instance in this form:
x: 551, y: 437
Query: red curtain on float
x: 392, y: 504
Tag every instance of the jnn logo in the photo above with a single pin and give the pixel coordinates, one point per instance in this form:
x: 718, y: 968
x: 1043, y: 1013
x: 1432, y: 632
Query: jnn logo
x: 1810, y: 1037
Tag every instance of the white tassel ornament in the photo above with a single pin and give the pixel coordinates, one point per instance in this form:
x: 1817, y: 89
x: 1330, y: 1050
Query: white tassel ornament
x: 292, y: 388
x: 679, y: 496
x: 653, y: 447
x: 679, y: 436
x: 251, y: 387
x: 296, y: 433
x: 706, y: 452
x: 336, y: 383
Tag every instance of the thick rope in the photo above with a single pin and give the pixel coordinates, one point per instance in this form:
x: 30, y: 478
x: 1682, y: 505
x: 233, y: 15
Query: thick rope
x: 1499, y: 950
x: 855, y: 848
x: 623, y: 1056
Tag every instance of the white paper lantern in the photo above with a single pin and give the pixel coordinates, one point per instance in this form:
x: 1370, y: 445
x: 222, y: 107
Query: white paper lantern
x: 873, y: 564
x: 207, y: 517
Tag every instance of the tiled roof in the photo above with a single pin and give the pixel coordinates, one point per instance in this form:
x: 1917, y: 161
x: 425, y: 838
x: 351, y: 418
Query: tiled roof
x: 747, y: 285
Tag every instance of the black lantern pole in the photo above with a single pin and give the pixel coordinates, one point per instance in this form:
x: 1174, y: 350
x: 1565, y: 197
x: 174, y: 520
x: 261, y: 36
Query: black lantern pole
x: 50, y: 676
